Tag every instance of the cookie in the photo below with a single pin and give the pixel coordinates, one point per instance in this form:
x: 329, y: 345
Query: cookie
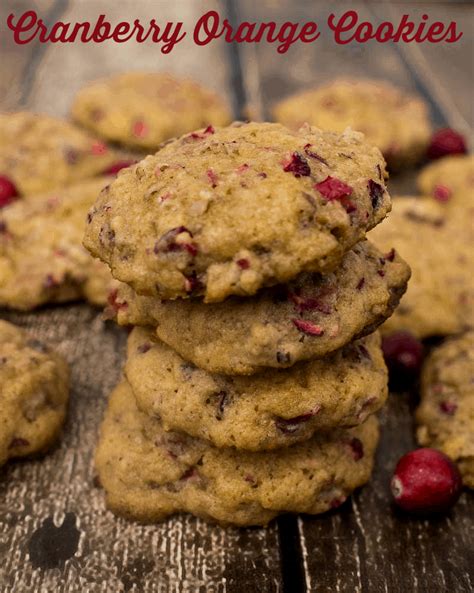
x: 42, y: 259
x: 394, y: 120
x: 39, y: 152
x: 309, y: 318
x: 149, y: 473
x: 141, y: 110
x: 450, y: 181
x: 440, y: 295
x: 265, y: 411
x: 445, y: 416
x: 228, y: 211
x: 33, y: 396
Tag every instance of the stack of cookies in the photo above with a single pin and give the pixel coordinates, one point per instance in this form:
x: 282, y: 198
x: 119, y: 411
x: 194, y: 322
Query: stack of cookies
x: 253, y: 373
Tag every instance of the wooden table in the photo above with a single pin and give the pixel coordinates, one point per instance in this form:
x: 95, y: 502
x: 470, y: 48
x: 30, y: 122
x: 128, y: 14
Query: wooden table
x: 55, y: 534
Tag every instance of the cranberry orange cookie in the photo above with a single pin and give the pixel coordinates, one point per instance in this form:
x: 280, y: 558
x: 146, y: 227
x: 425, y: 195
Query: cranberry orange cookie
x: 265, y: 411
x: 149, y: 473
x: 34, y: 391
x: 446, y: 414
x: 227, y: 211
x: 440, y: 295
x: 42, y: 259
x: 39, y: 152
x: 450, y: 181
x: 309, y: 318
x: 393, y: 120
x: 141, y: 110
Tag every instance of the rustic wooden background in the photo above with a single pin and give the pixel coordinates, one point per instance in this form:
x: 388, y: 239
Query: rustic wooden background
x: 55, y: 534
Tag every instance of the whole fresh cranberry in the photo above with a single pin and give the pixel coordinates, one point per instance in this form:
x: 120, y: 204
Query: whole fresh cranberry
x: 403, y: 354
x: 426, y: 481
x: 8, y: 191
x: 115, y: 167
x: 445, y: 142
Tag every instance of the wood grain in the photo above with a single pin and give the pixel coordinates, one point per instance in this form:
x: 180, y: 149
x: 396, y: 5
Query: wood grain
x: 55, y: 534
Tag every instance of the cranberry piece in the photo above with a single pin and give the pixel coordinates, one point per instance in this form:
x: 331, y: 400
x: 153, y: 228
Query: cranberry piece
x: 212, y: 176
x: 143, y: 348
x: 403, y: 354
x: 243, y: 264
x: 375, y: 192
x: 314, y: 155
x: 337, y: 502
x: 426, y: 481
x: 360, y: 284
x: 291, y: 425
x: 201, y: 135
x: 357, y: 448
x: 445, y: 142
x: 308, y: 328
x: 98, y: 148
x: 8, y: 191
x: 116, y: 167
x: 448, y: 408
x: 140, y: 129
x: 169, y: 242
x: 113, y: 301
x: 442, y: 193
x: 297, y: 165
x: 390, y: 256
x: 192, y: 283
x: 18, y: 442
x: 308, y: 304
x: 335, y: 189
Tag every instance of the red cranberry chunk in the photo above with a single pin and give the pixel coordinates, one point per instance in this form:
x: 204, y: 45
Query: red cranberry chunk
x: 243, y: 264
x: 8, y: 191
x: 442, y: 193
x: 140, y: 129
x: 291, y: 425
x: 113, y: 301
x: 297, y: 165
x: 335, y: 189
x: 18, y: 442
x: 172, y: 241
x: 357, y: 448
x: 448, y: 408
x: 426, y: 481
x: 116, y: 167
x: 308, y: 328
x: 445, y: 142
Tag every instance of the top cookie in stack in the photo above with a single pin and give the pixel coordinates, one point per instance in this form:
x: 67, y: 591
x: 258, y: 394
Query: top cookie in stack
x: 228, y: 211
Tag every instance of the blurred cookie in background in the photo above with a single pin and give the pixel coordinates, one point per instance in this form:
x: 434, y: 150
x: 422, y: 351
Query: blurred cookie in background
x: 39, y: 152
x: 394, y: 120
x: 141, y: 110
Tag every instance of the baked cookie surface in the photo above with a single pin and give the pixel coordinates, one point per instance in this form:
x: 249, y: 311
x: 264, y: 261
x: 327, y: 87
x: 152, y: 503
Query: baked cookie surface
x: 39, y: 152
x: 148, y: 473
x: 309, y: 318
x: 228, y: 211
x: 450, y: 182
x: 42, y: 259
x: 445, y: 416
x: 33, y: 396
x: 395, y: 121
x: 440, y: 295
x: 265, y: 411
x: 141, y: 110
